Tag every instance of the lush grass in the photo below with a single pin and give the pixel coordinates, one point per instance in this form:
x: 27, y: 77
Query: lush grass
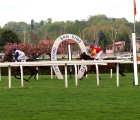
x: 48, y: 99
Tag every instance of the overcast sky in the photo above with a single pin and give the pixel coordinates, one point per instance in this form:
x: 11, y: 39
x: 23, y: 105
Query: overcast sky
x: 62, y: 10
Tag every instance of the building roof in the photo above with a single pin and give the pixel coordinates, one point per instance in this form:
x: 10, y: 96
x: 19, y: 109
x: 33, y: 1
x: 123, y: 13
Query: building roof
x: 70, y: 41
x: 47, y: 41
x: 116, y: 43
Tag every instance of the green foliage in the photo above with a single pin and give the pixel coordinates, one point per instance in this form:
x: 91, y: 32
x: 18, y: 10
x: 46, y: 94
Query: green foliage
x: 102, y: 40
x: 8, y: 36
x: 17, y: 26
x: 94, y: 20
x: 138, y: 28
x: 87, y: 30
x: 49, y: 20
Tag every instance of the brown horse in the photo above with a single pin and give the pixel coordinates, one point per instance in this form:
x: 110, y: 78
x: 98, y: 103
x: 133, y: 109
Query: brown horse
x: 91, y: 68
x: 32, y: 69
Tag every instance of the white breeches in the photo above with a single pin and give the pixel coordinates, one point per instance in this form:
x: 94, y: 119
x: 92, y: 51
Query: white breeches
x: 20, y: 56
x: 99, y: 54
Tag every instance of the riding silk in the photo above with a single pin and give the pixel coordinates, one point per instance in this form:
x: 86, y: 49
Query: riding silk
x: 19, y: 54
x: 95, y: 50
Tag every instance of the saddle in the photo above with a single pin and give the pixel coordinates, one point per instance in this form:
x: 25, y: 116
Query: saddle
x: 23, y: 59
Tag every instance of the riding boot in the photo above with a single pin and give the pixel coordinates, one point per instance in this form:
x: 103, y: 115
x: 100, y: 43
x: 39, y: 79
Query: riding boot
x: 16, y: 60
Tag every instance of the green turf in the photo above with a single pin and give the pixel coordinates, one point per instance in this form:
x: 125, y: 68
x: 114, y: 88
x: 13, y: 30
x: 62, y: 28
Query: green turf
x: 48, y: 99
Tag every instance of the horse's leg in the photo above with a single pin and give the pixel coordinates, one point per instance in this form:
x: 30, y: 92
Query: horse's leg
x: 33, y: 71
x: 18, y: 73
x: 15, y: 75
x: 113, y: 66
x: 83, y: 75
x: 89, y: 68
x: 36, y: 71
x: 121, y: 66
x: 30, y: 77
x: 120, y: 71
x: 96, y: 73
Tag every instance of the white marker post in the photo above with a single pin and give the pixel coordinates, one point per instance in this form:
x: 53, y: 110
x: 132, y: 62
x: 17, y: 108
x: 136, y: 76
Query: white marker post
x: 135, y: 59
x: 70, y: 57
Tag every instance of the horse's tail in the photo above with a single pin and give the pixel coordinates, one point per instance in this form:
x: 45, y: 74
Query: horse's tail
x: 121, y: 66
x: 31, y: 60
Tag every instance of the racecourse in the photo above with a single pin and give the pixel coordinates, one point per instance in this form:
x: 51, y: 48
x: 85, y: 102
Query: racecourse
x: 48, y: 99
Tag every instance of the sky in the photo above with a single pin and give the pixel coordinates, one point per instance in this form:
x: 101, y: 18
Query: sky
x: 63, y: 10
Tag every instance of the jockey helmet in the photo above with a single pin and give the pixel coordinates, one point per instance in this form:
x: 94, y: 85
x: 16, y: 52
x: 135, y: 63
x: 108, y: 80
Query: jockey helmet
x: 14, y: 49
x: 91, y: 46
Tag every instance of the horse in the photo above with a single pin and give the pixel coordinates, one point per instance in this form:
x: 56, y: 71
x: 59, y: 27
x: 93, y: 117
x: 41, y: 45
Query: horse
x: 91, y: 68
x: 32, y: 69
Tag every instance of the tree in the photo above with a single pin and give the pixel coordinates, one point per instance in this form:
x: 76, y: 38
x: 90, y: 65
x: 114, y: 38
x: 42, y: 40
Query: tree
x: 49, y: 20
x: 32, y: 24
x: 102, y: 40
x: 87, y: 30
x: 41, y: 23
x: 94, y: 20
x: 113, y: 34
x: 11, y: 25
x: 8, y: 36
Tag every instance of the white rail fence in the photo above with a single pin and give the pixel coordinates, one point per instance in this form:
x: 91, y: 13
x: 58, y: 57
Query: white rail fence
x: 65, y: 64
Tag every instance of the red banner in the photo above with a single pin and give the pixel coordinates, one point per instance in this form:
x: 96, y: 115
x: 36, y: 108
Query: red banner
x: 135, y: 11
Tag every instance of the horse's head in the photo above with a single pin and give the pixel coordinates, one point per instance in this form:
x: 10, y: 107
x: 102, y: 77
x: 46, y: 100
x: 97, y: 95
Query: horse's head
x: 84, y: 56
x: 7, y: 57
x: 81, y: 56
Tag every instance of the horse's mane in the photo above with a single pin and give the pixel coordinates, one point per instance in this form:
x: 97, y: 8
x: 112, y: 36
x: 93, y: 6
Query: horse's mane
x: 86, y: 57
x: 109, y: 59
x: 9, y: 55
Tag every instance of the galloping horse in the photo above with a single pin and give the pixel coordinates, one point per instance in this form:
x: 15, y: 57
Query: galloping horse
x: 91, y: 68
x: 33, y: 70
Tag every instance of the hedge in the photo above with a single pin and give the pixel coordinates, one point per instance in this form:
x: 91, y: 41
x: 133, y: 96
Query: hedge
x: 128, y: 68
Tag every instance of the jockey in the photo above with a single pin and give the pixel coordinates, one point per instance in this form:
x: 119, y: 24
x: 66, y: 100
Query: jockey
x: 18, y: 54
x: 95, y: 51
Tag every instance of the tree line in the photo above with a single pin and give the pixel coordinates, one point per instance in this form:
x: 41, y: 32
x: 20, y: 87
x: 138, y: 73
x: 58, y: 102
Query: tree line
x: 98, y: 29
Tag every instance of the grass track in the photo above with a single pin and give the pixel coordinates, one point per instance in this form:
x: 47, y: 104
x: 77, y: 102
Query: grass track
x: 49, y: 99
